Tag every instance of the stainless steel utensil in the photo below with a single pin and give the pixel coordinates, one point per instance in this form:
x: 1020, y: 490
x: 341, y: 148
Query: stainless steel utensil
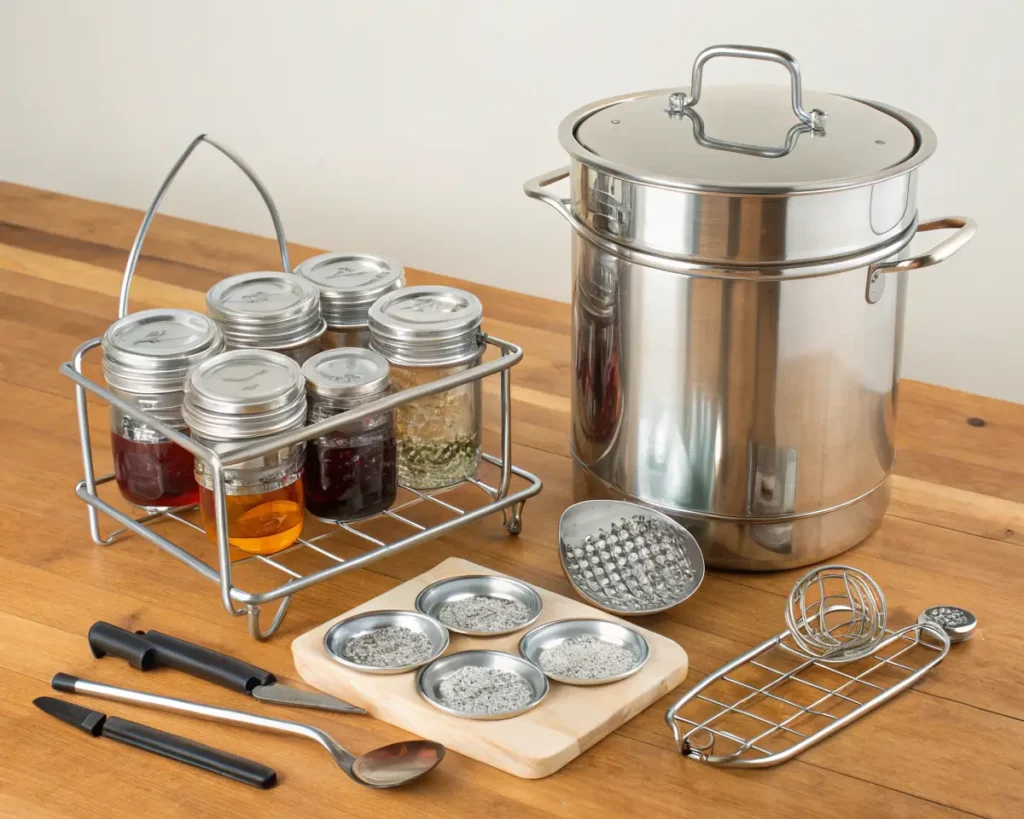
x: 779, y: 702
x: 341, y: 632
x: 628, y: 559
x: 550, y: 635
x: 433, y: 597
x: 430, y: 677
x: 386, y: 767
x: 152, y: 649
x: 836, y: 614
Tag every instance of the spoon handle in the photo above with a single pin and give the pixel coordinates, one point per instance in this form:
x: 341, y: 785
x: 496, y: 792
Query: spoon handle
x: 75, y: 685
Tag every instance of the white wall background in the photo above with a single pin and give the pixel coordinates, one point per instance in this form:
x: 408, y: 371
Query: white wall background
x: 408, y: 128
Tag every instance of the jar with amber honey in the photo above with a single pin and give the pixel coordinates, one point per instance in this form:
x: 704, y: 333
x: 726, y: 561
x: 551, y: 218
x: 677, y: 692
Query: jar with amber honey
x: 240, y: 398
x: 427, y: 333
x: 145, y: 358
x: 349, y: 283
x: 268, y: 311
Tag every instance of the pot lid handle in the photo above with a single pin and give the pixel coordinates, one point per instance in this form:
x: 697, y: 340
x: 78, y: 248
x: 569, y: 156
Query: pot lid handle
x: 679, y: 102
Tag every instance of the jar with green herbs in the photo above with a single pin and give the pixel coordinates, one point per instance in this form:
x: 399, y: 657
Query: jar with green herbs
x: 427, y: 333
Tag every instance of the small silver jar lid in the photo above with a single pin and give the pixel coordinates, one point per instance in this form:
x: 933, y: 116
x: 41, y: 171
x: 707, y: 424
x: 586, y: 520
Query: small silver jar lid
x: 152, y: 350
x: 424, y: 326
x: 269, y: 310
x: 957, y: 622
x: 244, y: 394
x: 349, y: 283
x: 346, y: 372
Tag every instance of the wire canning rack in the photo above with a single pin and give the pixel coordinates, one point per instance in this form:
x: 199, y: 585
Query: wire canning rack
x: 774, y: 702
x: 330, y: 550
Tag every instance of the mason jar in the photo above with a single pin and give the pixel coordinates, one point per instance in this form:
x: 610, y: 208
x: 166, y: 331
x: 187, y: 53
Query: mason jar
x: 426, y: 333
x: 145, y: 358
x: 269, y: 311
x: 350, y: 473
x: 238, y: 398
x: 349, y: 283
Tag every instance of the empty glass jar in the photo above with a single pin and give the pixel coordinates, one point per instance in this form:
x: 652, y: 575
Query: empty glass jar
x: 426, y: 333
x: 350, y: 473
x: 349, y: 283
x: 243, y: 397
x: 145, y: 358
x: 269, y: 311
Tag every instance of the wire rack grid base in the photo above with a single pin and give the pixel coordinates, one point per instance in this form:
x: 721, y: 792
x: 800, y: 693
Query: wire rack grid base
x: 777, y: 701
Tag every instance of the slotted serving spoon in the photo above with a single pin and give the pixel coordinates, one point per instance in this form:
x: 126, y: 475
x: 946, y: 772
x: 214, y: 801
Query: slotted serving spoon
x: 386, y: 767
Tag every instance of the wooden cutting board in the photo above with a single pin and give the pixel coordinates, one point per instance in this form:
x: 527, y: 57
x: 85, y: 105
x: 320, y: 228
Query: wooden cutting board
x: 571, y: 718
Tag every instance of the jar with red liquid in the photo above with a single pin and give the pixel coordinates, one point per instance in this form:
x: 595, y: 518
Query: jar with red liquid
x: 146, y: 356
x: 241, y: 398
x: 350, y: 473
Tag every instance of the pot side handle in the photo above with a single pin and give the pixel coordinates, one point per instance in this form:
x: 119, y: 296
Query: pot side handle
x: 965, y: 230
x: 534, y: 188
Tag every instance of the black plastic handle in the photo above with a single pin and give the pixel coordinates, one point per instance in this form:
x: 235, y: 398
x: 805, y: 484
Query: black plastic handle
x: 192, y: 753
x: 155, y: 649
x: 106, y: 638
x: 64, y: 683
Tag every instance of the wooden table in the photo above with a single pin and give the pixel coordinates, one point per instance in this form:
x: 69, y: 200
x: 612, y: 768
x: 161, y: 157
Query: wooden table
x: 955, y: 534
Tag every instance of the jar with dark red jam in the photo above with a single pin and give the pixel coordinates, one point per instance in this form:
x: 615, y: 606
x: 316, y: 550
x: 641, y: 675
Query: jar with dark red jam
x: 350, y: 473
x: 145, y: 358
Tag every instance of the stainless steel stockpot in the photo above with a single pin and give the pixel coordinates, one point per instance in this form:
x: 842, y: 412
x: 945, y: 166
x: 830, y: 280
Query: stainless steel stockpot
x: 739, y: 272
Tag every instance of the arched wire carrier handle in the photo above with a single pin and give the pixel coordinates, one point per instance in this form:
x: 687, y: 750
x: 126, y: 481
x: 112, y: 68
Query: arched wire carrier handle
x: 136, y: 251
x: 813, y: 121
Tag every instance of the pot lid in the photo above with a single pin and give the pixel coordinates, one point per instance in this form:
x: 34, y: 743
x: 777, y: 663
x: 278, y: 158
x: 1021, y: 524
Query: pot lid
x: 151, y: 350
x: 350, y: 282
x: 346, y: 372
x: 746, y: 139
x: 244, y: 394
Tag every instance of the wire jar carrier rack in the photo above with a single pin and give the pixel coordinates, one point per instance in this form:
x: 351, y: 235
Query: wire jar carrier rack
x: 507, y: 493
x: 778, y: 699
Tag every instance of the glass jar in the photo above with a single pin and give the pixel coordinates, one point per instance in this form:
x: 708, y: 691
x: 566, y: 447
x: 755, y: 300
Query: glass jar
x: 349, y: 283
x: 268, y: 311
x: 350, y: 473
x: 145, y: 358
x: 239, y: 398
x: 426, y: 333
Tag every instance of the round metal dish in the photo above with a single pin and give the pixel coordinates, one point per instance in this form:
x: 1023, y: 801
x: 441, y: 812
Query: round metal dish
x: 536, y: 641
x: 433, y: 597
x: 623, y: 571
x: 340, y: 633
x: 429, y: 679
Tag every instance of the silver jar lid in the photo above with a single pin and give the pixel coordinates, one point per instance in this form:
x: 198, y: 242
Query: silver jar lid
x: 746, y: 139
x: 427, y: 325
x: 347, y: 372
x: 152, y: 350
x: 349, y: 283
x: 244, y: 394
x: 270, y: 310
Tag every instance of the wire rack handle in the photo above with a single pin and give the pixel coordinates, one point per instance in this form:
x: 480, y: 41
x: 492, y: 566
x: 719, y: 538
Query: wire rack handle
x: 133, y: 256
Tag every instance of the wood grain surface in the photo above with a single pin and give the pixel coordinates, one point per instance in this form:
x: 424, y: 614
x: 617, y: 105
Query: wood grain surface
x: 536, y: 744
x: 955, y: 532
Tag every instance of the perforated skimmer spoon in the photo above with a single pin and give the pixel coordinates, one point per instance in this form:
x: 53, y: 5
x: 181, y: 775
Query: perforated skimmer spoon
x: 386, y: 767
